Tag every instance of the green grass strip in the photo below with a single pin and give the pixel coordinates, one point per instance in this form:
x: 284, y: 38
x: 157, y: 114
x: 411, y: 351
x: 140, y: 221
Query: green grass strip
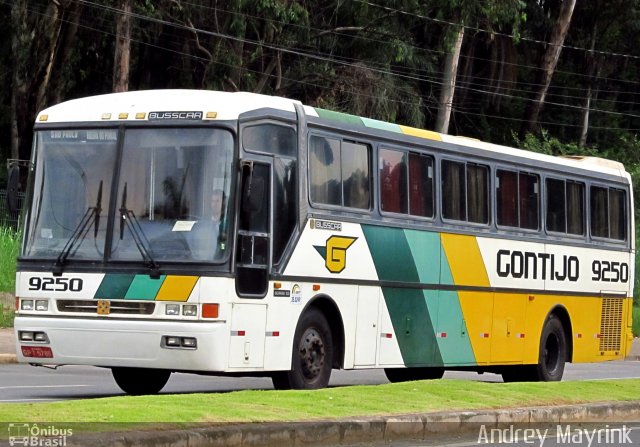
x: 9, y: 247
x: 343, y: 402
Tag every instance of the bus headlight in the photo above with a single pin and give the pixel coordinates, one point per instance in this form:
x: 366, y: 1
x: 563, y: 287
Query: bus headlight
x: 172, y: 309
x: 26, y: 305
x: 189, y: 310
x: 42, y: 305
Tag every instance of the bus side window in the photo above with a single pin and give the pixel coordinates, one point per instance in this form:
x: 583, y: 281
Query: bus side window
x: 454, y: 201
x: 478, y: 193
x: 575, y: 208
x: 465, y: 191
x: 617, y: 215
x: 324, y: 172
x: 599, y: 212
x: 421, y: 185
x: 339, y: 172
x: 393, y: 181
x: 518, y: 199
x: 529, y: 187
x: 556, y: 201
x: 355, y: 175
x: 270, y: 138
x: 565, y: 206
x: 608, y: 213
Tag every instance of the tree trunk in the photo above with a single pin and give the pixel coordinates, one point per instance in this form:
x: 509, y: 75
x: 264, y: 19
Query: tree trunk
x: 449, y: 84
x: 548, y: 66
x: 66, y: 46
x: 20, y: 44
x: 591, y: 71
x: 122, y: 55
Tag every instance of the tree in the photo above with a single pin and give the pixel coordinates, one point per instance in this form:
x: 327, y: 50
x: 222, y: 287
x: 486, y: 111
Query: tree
x: 35, y: 43
x: 548, y: 65
x: 122, y: 56
x: 492, y: 14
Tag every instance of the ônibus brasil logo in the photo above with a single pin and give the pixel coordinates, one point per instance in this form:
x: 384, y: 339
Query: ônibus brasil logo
x: 38, y: 436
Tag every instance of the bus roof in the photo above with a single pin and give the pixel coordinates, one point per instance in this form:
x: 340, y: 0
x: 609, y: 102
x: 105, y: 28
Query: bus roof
x: 214, y: 105
x: 138, y: 105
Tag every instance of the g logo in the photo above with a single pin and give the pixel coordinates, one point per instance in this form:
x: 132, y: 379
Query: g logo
x: 335, y: 252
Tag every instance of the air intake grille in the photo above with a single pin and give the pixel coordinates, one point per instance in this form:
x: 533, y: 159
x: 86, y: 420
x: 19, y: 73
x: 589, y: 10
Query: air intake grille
x: 611, y: 324
x: 116, y: 307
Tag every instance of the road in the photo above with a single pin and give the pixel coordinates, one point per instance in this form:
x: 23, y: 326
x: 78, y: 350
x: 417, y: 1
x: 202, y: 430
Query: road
x: 24, y: 383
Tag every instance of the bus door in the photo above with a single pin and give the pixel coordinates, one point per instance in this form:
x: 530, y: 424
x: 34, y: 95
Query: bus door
x: 249, y: 318
x: 266, y: 221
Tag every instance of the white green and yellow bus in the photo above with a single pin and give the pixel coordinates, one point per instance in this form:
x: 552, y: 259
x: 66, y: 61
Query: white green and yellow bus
x: 240, y: 234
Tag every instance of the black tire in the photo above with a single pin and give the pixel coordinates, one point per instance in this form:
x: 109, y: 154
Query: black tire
x: 551, y: 357
x: 140, y: 381
x: 395, y: 375
x: 312, y: 355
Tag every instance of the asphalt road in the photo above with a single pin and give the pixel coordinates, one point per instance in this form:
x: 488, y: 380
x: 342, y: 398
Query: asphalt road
x: 24, y: 383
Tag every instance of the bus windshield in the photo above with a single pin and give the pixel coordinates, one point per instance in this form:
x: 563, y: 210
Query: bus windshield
x: 172, y: 195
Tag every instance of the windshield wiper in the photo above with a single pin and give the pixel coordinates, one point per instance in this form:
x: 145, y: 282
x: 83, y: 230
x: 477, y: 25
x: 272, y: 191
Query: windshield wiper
x: 92, y: 214
x: 128, y: 219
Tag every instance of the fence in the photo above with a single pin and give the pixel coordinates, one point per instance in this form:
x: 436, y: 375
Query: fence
x: 7, y: 218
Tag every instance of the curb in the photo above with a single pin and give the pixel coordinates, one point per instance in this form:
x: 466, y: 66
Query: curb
x: 383, y: 429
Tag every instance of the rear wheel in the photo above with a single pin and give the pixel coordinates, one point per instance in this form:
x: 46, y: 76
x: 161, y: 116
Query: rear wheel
x: 408, y: 374
x: 140, y: 381
x: 551, y: 357
x: 312, y: 355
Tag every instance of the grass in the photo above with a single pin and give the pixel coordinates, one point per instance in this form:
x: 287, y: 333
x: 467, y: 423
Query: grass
x: 331, y: 403
x: 7, y: 314
x: 9, y: 246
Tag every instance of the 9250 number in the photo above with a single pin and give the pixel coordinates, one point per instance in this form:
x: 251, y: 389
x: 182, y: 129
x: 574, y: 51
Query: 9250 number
x: 55, y: 284
x: 610, y: 271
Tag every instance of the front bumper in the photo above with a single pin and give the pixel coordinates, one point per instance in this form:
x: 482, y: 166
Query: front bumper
x: 129, y: 343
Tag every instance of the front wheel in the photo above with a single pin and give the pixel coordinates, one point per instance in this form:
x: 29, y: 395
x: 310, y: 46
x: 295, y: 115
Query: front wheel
x: 312, y: 355
x: 140, y: 381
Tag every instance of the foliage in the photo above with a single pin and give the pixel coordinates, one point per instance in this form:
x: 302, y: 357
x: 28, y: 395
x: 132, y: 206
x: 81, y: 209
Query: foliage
x: 7, y: 315
x: 636, y: 321
x: 9, y: 246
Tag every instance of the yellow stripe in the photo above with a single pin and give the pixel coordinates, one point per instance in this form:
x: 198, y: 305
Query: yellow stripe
x: 467, y: 268
x: 176, y: 288
x: 421, y: 133
x: 465, y: 260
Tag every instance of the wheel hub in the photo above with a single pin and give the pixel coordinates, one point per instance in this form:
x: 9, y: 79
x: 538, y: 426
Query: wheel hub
x: 312, y: 354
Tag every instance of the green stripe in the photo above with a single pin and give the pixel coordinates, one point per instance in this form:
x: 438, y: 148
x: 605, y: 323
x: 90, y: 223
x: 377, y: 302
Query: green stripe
x: 426, y: 251
x: 113, y: 286
x: 456, y: 347
x: 337, y: 116
x: 391, y: 254
x: 412, y: 326
x: 144, y: 288
x: 375, y: 124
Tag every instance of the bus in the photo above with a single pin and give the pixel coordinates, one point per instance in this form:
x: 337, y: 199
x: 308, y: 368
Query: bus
x: 247, y: 235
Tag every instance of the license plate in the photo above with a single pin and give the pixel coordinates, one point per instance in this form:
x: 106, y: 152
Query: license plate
x: 40, y: 352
